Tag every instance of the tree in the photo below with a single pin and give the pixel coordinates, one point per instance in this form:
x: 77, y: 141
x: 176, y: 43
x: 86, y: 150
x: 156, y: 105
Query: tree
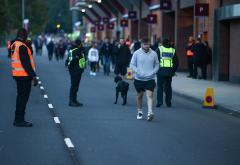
x: 58, y: 13
x: 11, y: 15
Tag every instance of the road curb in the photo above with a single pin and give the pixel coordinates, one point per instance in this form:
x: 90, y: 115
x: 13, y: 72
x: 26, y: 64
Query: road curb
x: 219, y: 108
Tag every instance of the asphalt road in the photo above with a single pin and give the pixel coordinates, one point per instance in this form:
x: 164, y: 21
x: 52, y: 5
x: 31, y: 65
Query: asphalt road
x: 107, y: 134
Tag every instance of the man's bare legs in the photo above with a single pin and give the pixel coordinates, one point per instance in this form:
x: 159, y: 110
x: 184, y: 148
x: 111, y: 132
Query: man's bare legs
x: 149, y: 100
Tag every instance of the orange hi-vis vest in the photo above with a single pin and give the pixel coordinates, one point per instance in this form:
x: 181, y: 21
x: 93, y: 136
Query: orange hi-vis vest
x: 189, y: 53
x: 17, y: 68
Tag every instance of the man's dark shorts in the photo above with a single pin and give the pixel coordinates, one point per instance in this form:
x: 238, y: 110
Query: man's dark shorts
x: 120, y: 69
x: 141, y: 86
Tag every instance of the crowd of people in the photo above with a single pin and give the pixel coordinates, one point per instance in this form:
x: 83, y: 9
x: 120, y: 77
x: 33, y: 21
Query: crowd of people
x: 147, y: 62
x: 199, y: 56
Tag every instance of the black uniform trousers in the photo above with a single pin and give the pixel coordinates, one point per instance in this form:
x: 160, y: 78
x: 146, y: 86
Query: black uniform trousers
x: 164, y: 83
x: 75, y: 81
x: 190, y: 65
x: 23, y: 93
x: 203, y: 71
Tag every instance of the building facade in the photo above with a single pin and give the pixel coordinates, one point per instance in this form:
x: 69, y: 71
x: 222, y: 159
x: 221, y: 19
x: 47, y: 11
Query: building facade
x: 219, y: 25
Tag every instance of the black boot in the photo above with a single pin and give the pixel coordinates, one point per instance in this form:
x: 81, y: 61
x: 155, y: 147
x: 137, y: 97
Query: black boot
x: 22, y: 124
x: 80, y: 104
x: 159, y: 105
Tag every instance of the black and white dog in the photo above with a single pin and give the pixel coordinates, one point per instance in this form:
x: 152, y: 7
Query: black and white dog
x: 121, y: 87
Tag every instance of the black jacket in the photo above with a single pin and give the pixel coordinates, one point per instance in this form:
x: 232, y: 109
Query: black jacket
x: 73, y: 65
x: 199, y: 50
x: 123, y: 56
x: 25, y: 60
x: 167, y: 71
x: 106, y: 50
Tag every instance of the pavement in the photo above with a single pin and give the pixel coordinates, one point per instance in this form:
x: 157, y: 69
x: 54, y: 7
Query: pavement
x: 226, y: 94
x: 102, y: 133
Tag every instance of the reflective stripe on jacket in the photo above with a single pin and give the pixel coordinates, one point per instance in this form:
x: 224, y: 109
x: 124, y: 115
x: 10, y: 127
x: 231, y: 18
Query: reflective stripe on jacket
x: 166, y: 57
x: 17, y: 68
x: 81, y: 62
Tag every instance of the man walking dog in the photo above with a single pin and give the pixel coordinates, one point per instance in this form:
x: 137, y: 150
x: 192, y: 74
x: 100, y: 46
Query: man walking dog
x: 145, y: 65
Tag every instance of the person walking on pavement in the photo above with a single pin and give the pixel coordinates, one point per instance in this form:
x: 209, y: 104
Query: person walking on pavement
x: 145, y: 65
x: 207, y: 60
x: 93, y: 58
x: 76, y: 63
x: 123, y: 57
x: 168, y: 66
x: 106, y: 53
x: 199, y: 50
x: 23, y: 72
x: 190, y: 55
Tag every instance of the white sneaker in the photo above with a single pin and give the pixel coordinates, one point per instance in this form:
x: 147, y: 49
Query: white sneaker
x: 150, y: 116
x: 140, y: 115
x: 94, y: 74
x: 90, y: 73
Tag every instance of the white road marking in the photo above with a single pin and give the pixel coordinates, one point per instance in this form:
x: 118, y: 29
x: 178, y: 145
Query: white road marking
x: 37, y: 78
x: 50, y: 106
x: 39, y: 82
x: 41, y: 87
x: 45, y: 96
x: 69, y: 143
x: 56, y: 119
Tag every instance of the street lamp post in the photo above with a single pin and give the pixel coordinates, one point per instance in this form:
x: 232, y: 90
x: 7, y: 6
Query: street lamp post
x: 23, y: 12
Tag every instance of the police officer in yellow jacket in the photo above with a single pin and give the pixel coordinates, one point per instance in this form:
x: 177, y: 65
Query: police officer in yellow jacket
x: 23, y: 71
x: 168, y: 66
x: 76, y: 63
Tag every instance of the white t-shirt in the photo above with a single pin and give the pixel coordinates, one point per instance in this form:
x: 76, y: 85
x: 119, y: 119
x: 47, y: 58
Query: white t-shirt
x: 93, y: 55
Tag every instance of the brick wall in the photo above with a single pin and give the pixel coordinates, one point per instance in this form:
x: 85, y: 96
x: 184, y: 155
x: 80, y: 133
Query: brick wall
x: 184, y: 29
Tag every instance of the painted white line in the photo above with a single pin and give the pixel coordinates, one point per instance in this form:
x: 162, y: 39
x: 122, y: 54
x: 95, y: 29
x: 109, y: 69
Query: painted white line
x: 50, y: 106
x: 45, y: 96
x: 37, y: 78
x: 41, y: 87
x: 39, y: 82
x: 69, y: 143
x: 56, y: 119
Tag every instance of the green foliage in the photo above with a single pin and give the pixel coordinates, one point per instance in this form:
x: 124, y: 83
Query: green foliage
x: 11, y: 15
x: 58, y: 13
x: 41, y: 14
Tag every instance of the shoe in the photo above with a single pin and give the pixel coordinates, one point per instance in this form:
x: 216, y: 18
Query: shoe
x: 139, y: 115
x: 159, y: 105
x: 169, y: 105
x: 150, y: 116
x: 94, y: 74
x: 22, y: 124
x: 91, y: 73
x: 80, y: 104
x: 73, y: 104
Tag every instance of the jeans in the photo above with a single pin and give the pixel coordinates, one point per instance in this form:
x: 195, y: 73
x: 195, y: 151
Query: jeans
x: 106, y: 65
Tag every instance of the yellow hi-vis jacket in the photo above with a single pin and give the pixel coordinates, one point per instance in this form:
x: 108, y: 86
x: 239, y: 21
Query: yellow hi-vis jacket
x: 166, y: 57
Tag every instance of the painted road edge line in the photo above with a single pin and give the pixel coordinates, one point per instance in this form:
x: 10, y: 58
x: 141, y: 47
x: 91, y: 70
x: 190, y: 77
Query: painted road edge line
x: 69, y: 143
x: 50, y: 106
x: 56, y: 119
x: 41, y: 87
x: 45, y: 96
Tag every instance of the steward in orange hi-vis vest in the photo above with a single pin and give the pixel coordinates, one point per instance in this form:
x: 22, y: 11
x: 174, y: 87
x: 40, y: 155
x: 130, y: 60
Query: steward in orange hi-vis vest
x: 23, y: 72
x: 17, y: 67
